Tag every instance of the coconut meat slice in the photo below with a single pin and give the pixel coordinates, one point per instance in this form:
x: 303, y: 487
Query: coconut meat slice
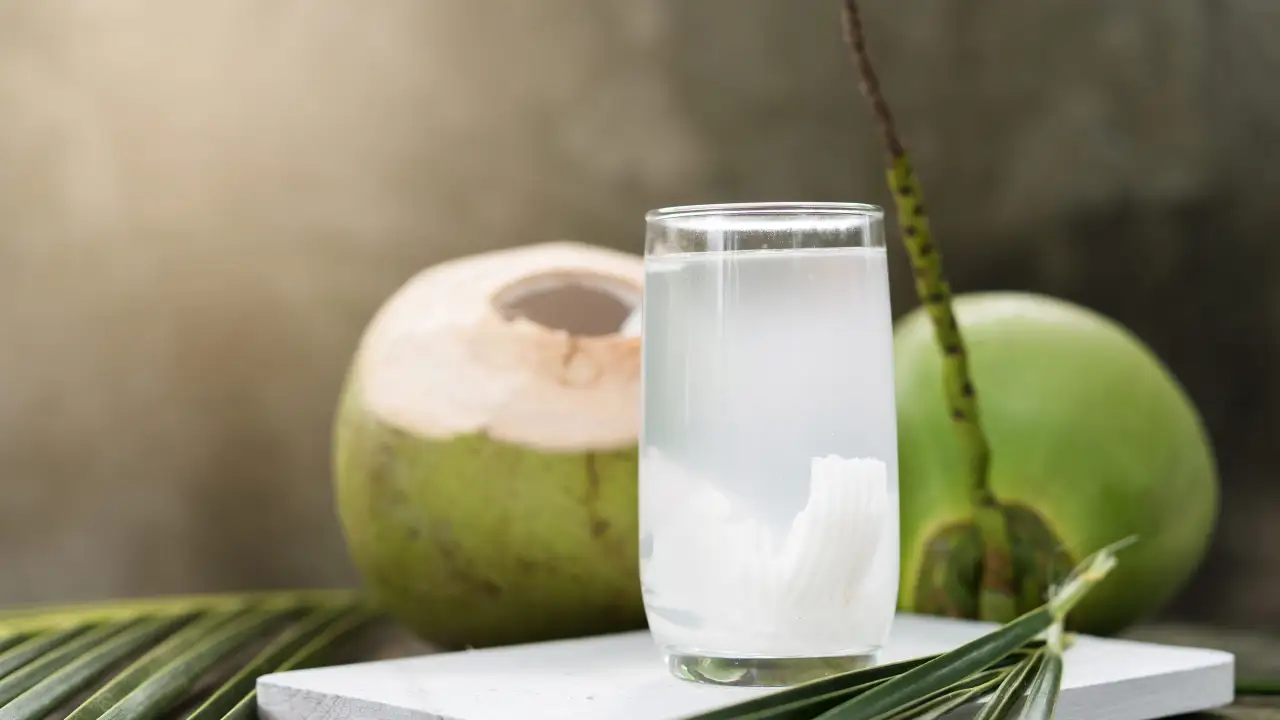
x: 825, y: 586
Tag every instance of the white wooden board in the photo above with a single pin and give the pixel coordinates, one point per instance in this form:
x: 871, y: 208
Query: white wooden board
x: 622, y: 677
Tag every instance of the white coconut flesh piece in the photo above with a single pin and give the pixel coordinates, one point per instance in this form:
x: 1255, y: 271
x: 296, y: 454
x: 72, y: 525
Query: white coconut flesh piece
x: 825, y: 586
x: 523, y: 345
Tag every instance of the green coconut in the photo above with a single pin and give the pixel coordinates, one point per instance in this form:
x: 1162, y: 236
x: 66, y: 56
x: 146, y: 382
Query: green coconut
x: 485, y: 448
x: 1092, y: 440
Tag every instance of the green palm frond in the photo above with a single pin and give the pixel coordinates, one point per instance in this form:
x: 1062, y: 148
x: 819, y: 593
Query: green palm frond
x: 1012, y: 662
x: 148, y: 658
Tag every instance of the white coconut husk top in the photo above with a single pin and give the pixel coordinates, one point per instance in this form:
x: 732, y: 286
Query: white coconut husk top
x: 522, y: 345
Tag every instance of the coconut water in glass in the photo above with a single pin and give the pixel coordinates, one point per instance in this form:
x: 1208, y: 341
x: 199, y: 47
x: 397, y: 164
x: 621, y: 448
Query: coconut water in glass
x: 768, y: 465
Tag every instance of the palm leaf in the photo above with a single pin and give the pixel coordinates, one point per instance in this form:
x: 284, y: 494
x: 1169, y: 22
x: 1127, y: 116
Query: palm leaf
x: 74, y: 677
x: 15, y: 683
x: 148, y: 658
x: 171, y: 606
x: 944, y: 701
x: 246, y: 709
x: 1011, y: 690
x: 810, y: 699
x: 306, y: 655
x: 163, y: 690
x: 1257, y: 686
x: 160, y: 655
x: 930, y: 687
x: 319, y: 624
x: 826, y: 692
x: 1042, y: 696
x: 34, y: 647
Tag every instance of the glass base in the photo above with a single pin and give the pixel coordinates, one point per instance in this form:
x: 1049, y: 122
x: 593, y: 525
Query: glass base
x: 762, y: 672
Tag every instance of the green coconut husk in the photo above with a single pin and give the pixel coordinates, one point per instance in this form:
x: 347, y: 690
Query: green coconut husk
x: 484, y: 448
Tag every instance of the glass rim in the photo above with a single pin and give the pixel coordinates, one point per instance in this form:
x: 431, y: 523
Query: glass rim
x: 764, y: 208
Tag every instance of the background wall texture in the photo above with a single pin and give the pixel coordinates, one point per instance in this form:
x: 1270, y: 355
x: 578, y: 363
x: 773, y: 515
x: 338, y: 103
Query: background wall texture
x: 202, y: 203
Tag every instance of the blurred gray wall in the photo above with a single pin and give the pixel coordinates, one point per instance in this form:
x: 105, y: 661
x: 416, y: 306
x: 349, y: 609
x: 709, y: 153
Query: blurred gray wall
x: 202, y: 203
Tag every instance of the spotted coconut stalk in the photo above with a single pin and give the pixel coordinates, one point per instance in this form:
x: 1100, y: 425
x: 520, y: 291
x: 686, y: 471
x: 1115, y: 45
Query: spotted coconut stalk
x: 996, y: 591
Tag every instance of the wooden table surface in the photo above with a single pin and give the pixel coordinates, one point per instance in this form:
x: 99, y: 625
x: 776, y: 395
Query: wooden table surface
x: 1257, y: 658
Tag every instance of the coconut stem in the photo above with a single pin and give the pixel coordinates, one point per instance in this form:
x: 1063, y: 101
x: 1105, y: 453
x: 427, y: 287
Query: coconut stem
x: 996, y: 587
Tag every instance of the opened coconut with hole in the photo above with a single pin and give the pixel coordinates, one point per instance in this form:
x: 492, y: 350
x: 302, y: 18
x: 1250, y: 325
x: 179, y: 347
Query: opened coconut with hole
x: 486, y: 447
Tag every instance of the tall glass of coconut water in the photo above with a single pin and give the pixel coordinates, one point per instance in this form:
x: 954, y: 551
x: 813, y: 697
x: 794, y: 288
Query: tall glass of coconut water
x: 768, y: 466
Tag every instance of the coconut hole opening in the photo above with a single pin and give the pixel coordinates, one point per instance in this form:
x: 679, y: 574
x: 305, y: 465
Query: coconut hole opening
x: 581, y: 305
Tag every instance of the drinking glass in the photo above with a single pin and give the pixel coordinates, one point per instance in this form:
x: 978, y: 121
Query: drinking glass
x: 768, y: 465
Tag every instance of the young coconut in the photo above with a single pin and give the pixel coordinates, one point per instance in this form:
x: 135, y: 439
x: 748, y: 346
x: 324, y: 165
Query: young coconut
x: 1093, y: 438
x: 486, y: 447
